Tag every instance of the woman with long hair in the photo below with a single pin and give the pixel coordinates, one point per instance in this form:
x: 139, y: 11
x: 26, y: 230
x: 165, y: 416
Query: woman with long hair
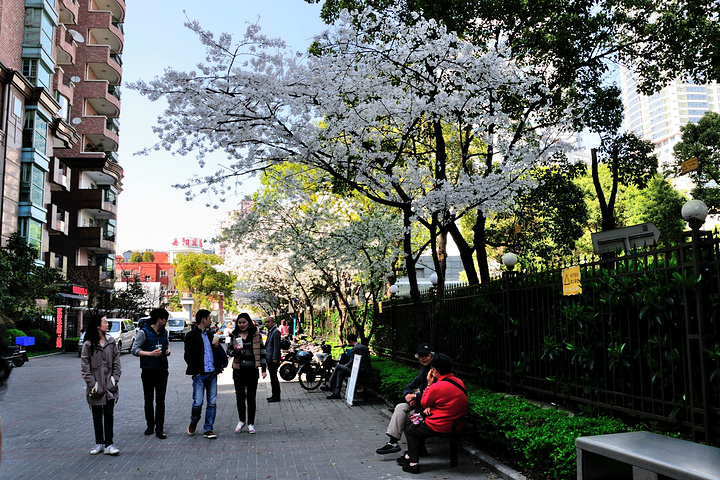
x: 100, y: 368
x: 248, y: 352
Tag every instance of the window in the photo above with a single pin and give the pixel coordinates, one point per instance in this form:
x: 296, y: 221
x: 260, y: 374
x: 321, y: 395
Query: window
x: 35, y: 132
x: 64, y: 102
x: 147, y: 278
x: 32, y: 184
x: 31, y: 231
x: 163, y: 273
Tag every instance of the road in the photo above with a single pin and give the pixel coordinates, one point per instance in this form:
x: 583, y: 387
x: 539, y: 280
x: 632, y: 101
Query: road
x: 47, y: 433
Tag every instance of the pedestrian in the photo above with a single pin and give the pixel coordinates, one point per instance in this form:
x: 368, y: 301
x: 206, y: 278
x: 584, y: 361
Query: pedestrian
x: 153, y: 347
x: 100, y: 368
x: 443, y: 402
x: 284, y: 329
x: 202, y: 355
x: 342, y: 371
x: 272, y: 352
x: 412, y: 395
x: 248, y: 354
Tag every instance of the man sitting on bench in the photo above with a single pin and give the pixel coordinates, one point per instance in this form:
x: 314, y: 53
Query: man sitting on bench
x: 412, y: 394
x: 343, y: 371
x: 443, y: 401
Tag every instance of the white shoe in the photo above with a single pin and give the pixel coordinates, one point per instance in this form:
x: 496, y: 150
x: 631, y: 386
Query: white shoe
x: 97, y: 449
x: 111, y: 450
x: 251, y: 428
x: 239, y: 427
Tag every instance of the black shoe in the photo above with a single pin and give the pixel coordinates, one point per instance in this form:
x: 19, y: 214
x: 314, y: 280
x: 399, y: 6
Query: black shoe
x: 149, y: 430
x: 388, y: 448
x: 334, y: 396
x: 402, y: 461
x: 414, y: 469
x: 161, y: 435
x: 326, y: 388
x: 273, y: 400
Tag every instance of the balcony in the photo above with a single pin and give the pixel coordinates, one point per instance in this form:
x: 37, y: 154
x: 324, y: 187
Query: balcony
x: 68, y: 12
x: 89, y: 273
x: 100, y: 201
x: 103, y: 30
x: 65, y: 46
x: 100, y: 66
x: 97, y: 137
x: 116, y: 7
x: 60, y: 175
x: 57, y: 220
x: 98, y: 99
x: 96, y: 240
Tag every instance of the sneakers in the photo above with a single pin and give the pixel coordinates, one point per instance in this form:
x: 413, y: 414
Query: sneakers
x: 111, y: 450
x: 209, y: 434
x: 191, y: 429
x: 388, y: 448
x: 251, y: 428
x: 239, y: 426
x: 99, y: 448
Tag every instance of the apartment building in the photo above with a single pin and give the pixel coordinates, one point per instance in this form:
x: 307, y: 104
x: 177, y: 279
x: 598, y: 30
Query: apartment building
x: 60, y: 72
x: 658, y: 117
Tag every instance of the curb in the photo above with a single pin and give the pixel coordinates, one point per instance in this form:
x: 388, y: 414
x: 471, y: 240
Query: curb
x: 495, y: 466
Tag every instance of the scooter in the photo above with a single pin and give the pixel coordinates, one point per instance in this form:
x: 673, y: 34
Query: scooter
x: 289, y: 366
x: 314, y: 371
x: 16, y: 354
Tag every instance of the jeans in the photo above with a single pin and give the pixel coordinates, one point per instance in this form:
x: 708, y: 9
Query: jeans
x: 337, y: 377
x: 274, y: 382
x: 103, y: 436
x: 246, y: 382
x: 154, y: 387
x: 204, y: 382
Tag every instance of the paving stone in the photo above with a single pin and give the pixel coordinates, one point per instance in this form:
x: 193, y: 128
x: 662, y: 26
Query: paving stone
x: 47, y: 433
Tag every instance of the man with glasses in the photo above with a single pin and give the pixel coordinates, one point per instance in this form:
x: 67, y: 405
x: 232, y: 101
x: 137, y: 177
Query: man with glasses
x: 412, y: 394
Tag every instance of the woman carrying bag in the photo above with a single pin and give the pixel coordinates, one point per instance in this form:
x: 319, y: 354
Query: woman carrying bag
x: 248, y: 354
x: 100, y: 368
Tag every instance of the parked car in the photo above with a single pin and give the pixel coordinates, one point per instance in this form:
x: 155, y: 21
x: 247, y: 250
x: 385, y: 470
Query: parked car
x: 122, y: 329
x: 177, y: 328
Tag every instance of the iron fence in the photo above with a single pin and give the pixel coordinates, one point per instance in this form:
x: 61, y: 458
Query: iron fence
x: 641, y: 339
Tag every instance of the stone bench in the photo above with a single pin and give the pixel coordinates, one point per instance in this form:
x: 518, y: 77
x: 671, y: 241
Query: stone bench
x: 644, y: 456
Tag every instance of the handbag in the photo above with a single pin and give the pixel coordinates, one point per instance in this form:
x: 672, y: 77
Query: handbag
x: 220, y: 359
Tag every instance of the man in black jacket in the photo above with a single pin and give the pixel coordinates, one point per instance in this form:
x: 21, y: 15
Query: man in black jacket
x: 343, y: 371
x: 152, y: 346
x: 202, y: 355
x: 412, y: 394
x: 272, y: 355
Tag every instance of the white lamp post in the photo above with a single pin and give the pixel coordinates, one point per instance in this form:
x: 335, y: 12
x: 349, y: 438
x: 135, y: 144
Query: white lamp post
x: 434, y: 279
x: 694, y: 213
x: 393, y: 290
x: 509, y: 260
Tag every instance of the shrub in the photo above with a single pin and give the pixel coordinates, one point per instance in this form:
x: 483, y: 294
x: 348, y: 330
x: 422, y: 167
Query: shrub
x: 71, y: 344
x: 12, y: 333
x: 43, y: 340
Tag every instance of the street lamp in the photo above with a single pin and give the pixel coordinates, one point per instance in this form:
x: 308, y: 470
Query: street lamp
x: 694, y: 213
x: 509, y: 260
x: 393, y: 290
x: 434, y: 279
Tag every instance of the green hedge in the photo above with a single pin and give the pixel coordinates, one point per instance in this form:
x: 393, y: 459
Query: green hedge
x: 12, y: 333
x: 43, y: 340
x: 541, y: 441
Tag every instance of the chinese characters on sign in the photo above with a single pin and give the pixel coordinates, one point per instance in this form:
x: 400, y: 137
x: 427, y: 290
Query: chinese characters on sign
x: 59, y: 329
x: 571, y: 281
x: 187, y: 242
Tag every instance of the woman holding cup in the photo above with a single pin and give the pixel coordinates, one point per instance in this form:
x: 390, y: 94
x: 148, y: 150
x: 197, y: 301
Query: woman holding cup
x: 248, y: 353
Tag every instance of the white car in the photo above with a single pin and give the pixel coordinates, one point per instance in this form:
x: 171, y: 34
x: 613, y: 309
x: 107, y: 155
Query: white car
x: 122, y: 330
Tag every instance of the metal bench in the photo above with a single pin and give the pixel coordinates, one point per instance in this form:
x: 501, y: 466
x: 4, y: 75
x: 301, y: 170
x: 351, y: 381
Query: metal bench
x: 456, y: 436
x: 644, y: 456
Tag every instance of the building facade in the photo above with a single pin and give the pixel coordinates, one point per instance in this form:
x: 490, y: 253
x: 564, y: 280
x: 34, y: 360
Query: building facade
x: 658, y: 117
x: 157, y: 277
x: 60, y: 72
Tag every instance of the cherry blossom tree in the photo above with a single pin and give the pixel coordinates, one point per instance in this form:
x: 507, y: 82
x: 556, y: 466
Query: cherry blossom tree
x: 375, y: 108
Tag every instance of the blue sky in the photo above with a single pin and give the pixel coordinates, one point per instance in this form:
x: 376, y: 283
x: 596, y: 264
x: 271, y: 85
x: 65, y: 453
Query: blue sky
x: 150, y: 211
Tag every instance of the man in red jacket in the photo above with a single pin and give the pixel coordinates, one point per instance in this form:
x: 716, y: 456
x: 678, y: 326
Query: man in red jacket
x: 443, y: 401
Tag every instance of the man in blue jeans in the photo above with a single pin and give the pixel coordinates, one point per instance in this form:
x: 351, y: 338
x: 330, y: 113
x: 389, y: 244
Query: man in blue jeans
x: 204, y: 368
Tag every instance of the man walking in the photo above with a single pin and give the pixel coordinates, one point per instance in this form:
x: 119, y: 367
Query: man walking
x: 203, y: 367
x: 412, y: 395
x: 272, y: 355
x: 343, y: 371
x: 152, y: 346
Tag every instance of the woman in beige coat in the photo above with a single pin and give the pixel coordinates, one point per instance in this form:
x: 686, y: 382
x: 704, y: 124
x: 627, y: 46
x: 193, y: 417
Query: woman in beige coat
x: 100, y: 368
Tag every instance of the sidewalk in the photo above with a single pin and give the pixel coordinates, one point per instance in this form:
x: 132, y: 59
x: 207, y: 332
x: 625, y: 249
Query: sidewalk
x: 47, y: 432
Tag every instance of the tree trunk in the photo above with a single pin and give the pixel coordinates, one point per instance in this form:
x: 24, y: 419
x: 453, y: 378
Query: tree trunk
x: 466, y: 254
x: 480, y: 248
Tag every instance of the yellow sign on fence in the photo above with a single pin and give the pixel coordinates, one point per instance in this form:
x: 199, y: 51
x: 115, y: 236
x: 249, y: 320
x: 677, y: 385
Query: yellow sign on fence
x: 571, y: 281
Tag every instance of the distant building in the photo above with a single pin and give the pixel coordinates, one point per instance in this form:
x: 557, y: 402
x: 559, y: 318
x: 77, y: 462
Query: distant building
x: 157, y: 277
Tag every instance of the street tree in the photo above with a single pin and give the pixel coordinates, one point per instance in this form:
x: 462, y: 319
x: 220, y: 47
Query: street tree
x: 148, y: 256
x: 701, y: 140
x: 136, y: 257
x: 23, y: 282
x: 131, y: 301
x: 199, y: 274
x: 369, y: 110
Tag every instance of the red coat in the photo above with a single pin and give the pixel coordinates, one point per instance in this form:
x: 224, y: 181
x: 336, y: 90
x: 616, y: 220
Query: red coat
x: 447, y: 403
